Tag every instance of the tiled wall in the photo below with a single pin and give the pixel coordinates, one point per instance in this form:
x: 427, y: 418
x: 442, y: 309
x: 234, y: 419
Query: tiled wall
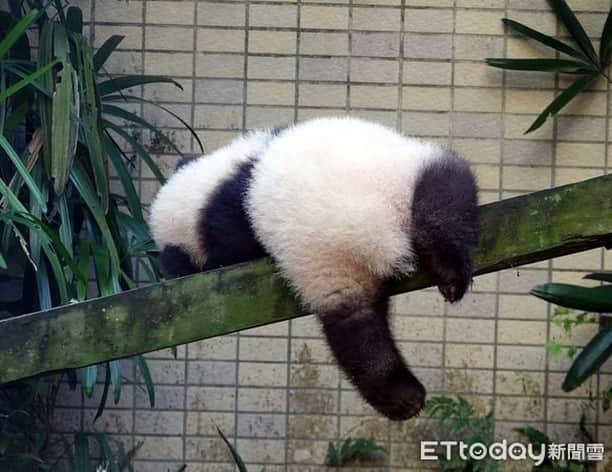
x: 416, y: 65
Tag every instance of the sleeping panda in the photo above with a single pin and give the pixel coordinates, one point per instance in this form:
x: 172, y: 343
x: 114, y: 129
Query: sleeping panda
x: 343, y: 206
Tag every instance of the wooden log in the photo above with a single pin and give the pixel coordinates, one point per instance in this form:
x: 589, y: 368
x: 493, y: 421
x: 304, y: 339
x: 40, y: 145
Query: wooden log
x: 516, y: 231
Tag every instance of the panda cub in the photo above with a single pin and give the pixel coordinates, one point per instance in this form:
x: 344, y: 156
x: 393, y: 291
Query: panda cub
x: 342, y: 206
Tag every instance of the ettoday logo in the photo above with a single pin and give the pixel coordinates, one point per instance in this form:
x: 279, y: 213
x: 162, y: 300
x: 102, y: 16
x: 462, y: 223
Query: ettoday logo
x: 503, y: 451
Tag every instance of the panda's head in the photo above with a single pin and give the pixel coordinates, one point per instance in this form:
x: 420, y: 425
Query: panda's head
x: 445, y: 223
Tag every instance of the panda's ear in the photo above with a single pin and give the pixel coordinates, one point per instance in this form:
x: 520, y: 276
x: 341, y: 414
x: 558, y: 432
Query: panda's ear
x: 186, y: 159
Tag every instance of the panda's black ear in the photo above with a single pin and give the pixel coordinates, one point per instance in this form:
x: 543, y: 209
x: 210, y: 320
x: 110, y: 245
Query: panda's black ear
x: 186, y: 159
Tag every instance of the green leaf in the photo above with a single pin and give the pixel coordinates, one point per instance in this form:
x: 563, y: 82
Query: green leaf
x: 4, y: 265
x: 575, y: 29
x: 237, y: 459
x: 594, y: 354
x: 81, y: 453
x: 102, y: 54
x: 16, y: 31
x: 65, y: 109
x: 88, y: 379
x: 591, y: 299
x: 27, y: 80
x: 605, y: 47
x: 83, y: 267
x: 129, y: 116
x: 131, y: 195
x: 540, y: 65
x: 65, y: 229
x: 132, y: 98
x: 104, y: 396
x: 23, y: 172
x: 45, y: 104
x: 543, y: 38
x: 141, y: 363
x: 602, y: 276
x: 138, y: 149
x: 561, y: 100
x: 81, y: 181
x: 74, y: 20
x: 115, y: 371
x: 121, y: 83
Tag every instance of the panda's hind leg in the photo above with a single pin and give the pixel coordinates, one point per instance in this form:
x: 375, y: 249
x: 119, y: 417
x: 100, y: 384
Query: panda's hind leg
x: 176, y: 262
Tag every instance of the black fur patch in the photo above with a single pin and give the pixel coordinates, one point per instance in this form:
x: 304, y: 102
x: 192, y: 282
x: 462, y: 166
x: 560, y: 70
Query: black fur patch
x: 186, y: 159
x: 224, y: 228
x: 445, y: 223
x: 176, y: 262
x: 361, y: 341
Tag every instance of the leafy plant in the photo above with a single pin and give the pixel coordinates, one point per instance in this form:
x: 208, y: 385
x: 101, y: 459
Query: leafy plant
x: 567, y: 320
x: 589, y: 299
x: 65, y: 235
x: 235, y: 456
x: 351, y: 450
x: 580, y: 60
x: 458, y: 421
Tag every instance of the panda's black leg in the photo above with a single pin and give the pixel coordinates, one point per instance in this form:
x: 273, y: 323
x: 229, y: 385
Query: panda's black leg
x: 176, y: 262
x: 360, y: 339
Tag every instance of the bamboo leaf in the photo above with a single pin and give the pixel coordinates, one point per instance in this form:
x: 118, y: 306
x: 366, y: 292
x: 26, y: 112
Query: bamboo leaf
x: 132, y: 98
x: 141, y: 363
x: 121, y: 83
x: 64, y: 109
x: 129, y: 116
x: 115, y: 371
x: 590, y: 359
x: 102, y: 54
x: 561, y: 100
x: 138, y: 149
x: 541, y: 65
x: 88, y: 377
x: 74, y: 20
x: 575, y: 29
x: 237, y: 459
x: 603, y: 276
x: 45, y: 104
x: 83, y: 269
x: 27, y: 80
x: 104, y: 396
x: 81, y: 453
x: 543, y: 38
x: 16, y: 31
x: 23, y: 172
x: 133, y: 201
x: 591, y: 299
x: 605, y: 47
x: 65, y: 229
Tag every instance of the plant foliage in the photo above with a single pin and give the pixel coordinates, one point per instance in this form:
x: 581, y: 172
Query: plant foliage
x: 354, y: 450
x: 579, y: 59
x: 589, y: 299
x: 65, y: 233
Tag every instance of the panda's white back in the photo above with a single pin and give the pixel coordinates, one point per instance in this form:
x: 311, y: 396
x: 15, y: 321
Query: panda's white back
x: 335, y: 193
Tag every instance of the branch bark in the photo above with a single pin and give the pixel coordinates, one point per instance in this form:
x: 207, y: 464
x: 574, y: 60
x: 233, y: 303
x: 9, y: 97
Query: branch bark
x: 516, y: 231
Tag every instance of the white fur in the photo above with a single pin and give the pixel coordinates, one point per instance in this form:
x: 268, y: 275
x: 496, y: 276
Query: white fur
x: 330, y: 200
x: 176, y: 209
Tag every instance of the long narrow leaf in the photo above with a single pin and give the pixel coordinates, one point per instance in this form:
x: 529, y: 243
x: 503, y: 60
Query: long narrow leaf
x: 605, y: 47
x: 574, y: 28
x: 603, y: 276
x: 543, y: 38
x: 23, y: 73
x: 16, y: 31
x: 81, y: 453
x: 88, y: 379
x: 126, y: 180
x: 121, y: 83
x: 129, y: 116
x: 23, y: 172
x: 132, y: 98
x: 237, y: 459
x: 591, y: 299
x: 102, y: 54
x: 540, y: 65
x: 138, y: 149
x: 141, y: 363
x: 562, y: 99
x: 28, y: 80
x: 45, y: 104
x: 104, y: 396
x: 594, y: 354
x: 65, y: 229
x: 83, y: 269
x: 115, y: 371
